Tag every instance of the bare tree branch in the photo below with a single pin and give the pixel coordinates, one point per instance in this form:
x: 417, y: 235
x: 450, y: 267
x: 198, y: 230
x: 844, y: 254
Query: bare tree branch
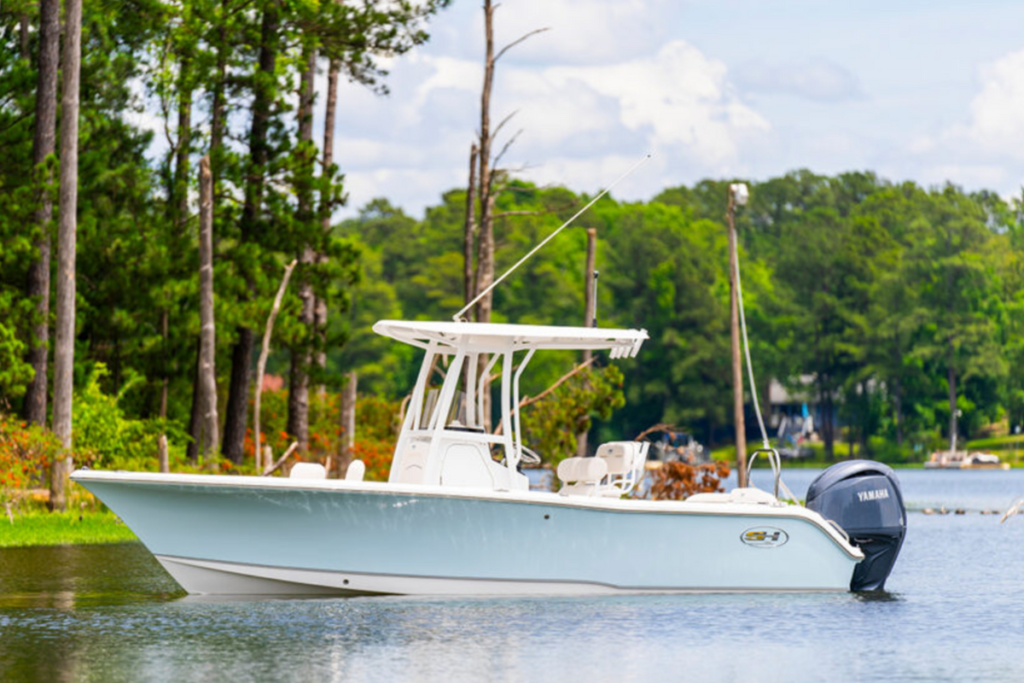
x: 280, y: 461
x: 502, y: 124
x: 505, y: 147
x: 519, y: 40
x: 530, y: 400
x: 506, y: 214
x: 660, y: 427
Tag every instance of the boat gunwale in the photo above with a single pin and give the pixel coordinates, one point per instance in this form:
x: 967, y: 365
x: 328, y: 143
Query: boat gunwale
x: 597, y: 503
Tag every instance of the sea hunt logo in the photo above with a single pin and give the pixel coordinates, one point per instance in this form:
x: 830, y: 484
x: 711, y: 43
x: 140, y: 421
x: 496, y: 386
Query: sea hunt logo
x: 764, y: 537
x: 876, y: 494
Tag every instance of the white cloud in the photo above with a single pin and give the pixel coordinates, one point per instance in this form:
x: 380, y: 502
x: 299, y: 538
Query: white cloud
x: 997, y: 112
x: 986, y: 148
x: 680, y: 96
x: 582, y: 125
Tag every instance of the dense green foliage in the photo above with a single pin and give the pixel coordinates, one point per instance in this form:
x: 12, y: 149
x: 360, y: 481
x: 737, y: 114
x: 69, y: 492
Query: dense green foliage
x: 220, y: 78
x: 861, y: 293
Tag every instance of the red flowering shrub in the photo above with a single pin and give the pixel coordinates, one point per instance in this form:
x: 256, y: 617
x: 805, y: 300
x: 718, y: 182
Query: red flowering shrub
x: 376, y: 429
x: 26, y: 452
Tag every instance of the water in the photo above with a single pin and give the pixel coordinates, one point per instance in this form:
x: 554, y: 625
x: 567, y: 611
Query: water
x: 953, y: 612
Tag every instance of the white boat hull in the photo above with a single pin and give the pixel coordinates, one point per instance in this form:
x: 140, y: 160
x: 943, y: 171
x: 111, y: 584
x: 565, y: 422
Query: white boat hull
x: 266, y: 536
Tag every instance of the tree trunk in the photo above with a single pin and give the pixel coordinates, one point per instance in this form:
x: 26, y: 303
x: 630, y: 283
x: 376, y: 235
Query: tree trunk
x: 348, y: 423
x: 241, y: 356
x: 485, y: 246
x: 897, y: 399
x: 23, y: 37
x: 827, y: 425
x: 195, y: 424
x: 64, y: 351
x: 179, y: 203
x: 469, y: 228
x: 161, y: 454
x: 865, y: 423
x: 485, y: 258
x: 298, y: 390
x: 589, y: 315
x: 320, y: 304
x: 207, y: 329
x: 181, y: 161
x: 217, y: 108
x: 43, y: 145
x: 951, y: 378
x: 237, y: 410
x: 165, y: 383
x: 195, y: 418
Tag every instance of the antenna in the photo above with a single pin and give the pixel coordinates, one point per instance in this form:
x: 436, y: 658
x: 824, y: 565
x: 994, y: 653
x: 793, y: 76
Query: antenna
x: 458, y: 316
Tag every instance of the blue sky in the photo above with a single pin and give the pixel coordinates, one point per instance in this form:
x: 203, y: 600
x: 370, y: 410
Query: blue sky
x: 927, y: 91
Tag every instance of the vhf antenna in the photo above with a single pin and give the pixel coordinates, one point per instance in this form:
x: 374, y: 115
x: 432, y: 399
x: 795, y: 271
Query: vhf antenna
x: 458, y: 316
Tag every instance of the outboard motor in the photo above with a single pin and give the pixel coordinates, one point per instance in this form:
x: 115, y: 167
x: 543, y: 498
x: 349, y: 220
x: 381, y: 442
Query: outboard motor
x: 864, y: 498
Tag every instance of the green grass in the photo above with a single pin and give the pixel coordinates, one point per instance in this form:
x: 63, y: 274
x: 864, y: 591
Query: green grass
x: 62, y: 528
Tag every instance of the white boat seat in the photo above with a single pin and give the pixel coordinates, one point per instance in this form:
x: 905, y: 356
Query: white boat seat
x: 356, y: 471
x: 625, y: 460
x: 581, y: 476
x: 618, y: 457
x: 308, y: 470
x: 737, y: 495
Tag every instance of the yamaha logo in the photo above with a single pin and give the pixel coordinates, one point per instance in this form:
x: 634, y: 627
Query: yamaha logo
x: 764, y: 537
x: 876, y: 494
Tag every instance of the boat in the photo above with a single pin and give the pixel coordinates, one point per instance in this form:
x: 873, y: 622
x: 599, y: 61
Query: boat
x: 457, y: 516
x: 964, y: 460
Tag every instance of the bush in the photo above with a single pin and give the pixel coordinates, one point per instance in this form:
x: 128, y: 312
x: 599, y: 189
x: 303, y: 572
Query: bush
x: 26, y: 452
x: 376, y: 429
x: 105, y: 438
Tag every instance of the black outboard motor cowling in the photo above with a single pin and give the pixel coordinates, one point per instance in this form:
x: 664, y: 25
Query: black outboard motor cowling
x: 864, y: 498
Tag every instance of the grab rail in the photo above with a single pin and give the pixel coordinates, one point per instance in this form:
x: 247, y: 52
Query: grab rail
x: 773, y: 459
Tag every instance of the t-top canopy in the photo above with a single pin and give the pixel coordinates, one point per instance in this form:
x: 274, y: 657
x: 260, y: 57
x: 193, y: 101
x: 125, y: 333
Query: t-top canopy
x: 492, y: 337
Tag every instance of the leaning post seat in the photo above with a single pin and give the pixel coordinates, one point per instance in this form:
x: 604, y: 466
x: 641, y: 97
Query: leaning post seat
x: 581, y: 476
x: 625, y: 461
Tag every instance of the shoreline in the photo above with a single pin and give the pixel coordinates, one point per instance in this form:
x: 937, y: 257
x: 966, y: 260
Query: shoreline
x: 83, y: 527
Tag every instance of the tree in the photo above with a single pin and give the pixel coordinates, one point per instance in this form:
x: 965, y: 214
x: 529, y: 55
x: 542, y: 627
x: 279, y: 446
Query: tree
x: 302, y: 356
x: 64, y: 351
x: 43, y: 146
x: 207, y: 335
x: 952, y: 260
x: 265, y: 93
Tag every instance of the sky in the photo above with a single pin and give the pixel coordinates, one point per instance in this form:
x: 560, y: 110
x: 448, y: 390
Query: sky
x: 923, y: 90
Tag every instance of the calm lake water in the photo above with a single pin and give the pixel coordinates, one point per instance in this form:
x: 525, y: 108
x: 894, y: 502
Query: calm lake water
x: 954, y: 611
